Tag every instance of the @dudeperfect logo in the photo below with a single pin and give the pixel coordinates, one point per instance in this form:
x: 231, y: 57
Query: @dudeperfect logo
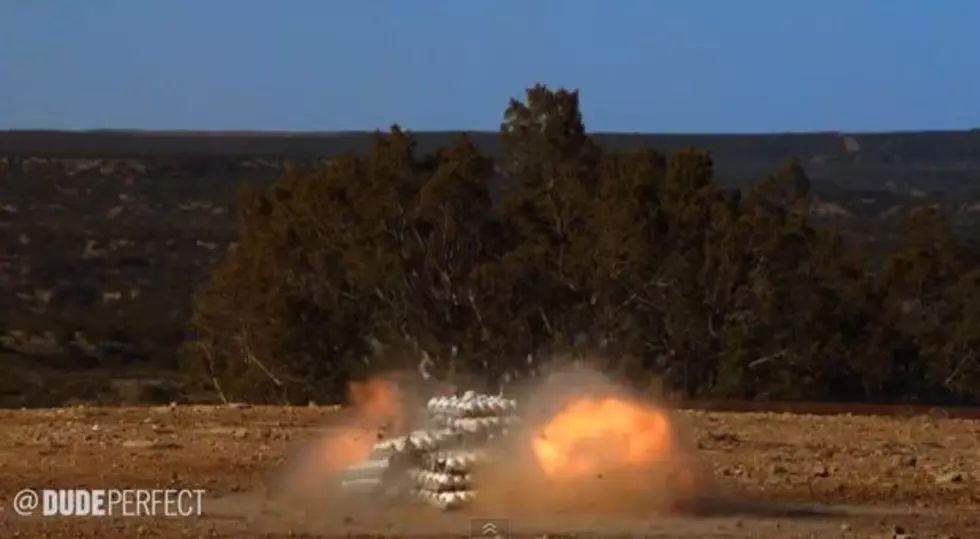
x: 109, y: 502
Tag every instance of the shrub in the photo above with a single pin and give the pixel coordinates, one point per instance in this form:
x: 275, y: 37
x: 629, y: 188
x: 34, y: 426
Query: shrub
x: 370, y: 261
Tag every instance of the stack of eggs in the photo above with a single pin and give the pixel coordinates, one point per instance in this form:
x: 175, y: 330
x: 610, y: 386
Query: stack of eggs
x: 436, y: 464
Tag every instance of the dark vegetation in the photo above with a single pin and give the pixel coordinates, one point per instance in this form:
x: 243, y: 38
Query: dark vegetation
x: 562, y: 244
x: 104, y: 236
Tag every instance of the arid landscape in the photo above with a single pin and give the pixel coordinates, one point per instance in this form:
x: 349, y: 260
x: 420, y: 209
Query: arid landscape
x: 777, y: 475
x: 105, y: 236
x: 381, y: 270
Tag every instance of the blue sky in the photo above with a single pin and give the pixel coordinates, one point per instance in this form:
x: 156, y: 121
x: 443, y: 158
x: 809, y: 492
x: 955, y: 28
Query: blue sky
x: 641, y: 65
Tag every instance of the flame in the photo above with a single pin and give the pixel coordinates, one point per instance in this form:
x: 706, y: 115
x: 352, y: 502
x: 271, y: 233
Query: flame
x: 376, y: 409
x: 376, y: 403
x: 593, y: 436
x: 627, y: 451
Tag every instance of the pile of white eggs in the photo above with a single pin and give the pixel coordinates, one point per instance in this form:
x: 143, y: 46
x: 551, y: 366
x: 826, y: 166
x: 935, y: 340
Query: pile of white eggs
x: 472, y: 404
x: 436, y: 464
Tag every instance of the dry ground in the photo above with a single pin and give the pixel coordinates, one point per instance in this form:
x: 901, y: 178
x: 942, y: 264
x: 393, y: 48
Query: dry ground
x: 868, y: 474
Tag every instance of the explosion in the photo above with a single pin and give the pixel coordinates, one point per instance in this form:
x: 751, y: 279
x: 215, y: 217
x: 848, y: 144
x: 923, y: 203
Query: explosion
x: 627, y: 451
x: 376, y: 402
x: 376, y: 410
x: 608, y: 453
x: 594, y: 436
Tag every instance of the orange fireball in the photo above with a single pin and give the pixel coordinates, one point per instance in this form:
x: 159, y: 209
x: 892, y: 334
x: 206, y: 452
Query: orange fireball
x: 376, y: 403
x: 376, y: 410
x: 592, y: 436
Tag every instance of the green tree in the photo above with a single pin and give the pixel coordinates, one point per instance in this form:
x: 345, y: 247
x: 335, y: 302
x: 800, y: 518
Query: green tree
x: 372, y: 261
x: 551, y: 168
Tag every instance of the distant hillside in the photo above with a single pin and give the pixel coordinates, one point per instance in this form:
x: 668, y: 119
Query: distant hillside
x: 912, y: 146
x: 938, y: 161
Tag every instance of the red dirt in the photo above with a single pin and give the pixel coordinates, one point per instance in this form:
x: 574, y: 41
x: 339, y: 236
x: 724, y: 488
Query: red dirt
x: 879, y: 466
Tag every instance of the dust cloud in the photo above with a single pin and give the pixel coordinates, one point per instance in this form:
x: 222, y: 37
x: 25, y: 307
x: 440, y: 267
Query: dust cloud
x: 585, y: 445
x: 590, y: 446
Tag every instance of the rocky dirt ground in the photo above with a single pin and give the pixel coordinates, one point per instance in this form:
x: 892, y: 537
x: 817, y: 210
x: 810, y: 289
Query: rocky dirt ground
x: 778, y: 475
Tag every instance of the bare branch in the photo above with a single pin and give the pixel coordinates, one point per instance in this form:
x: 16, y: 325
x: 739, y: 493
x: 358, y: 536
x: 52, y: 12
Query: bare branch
x: 968, y: 358
x: 247, y: 352
x: 547, y: 323
x: 767, y: 359
x: 424, y: 365
x: 209, y: 365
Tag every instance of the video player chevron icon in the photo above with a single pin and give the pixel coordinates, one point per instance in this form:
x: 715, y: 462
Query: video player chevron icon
x: 489, y: 528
